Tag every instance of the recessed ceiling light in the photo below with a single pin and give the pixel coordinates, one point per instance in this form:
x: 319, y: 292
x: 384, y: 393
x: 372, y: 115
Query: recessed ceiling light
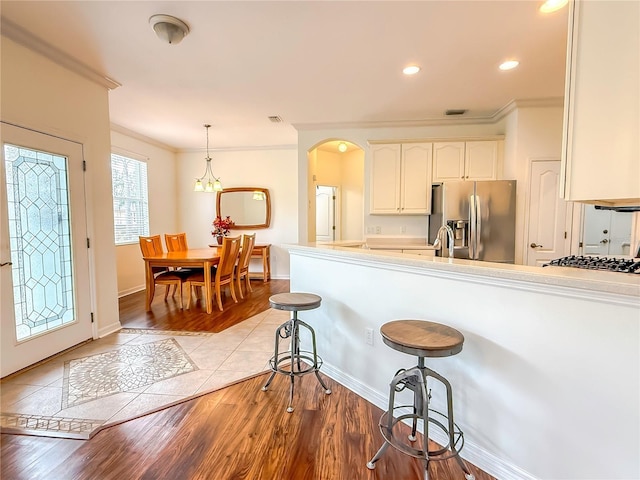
x: 411, y: 70
x: 552, y: 5
x: 509, y: 64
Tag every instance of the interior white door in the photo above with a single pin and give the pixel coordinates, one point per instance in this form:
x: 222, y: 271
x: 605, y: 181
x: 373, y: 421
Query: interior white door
x: 44, y: 283
x: 548, y: 215
x: 325, y: 214
x: 606, y: 232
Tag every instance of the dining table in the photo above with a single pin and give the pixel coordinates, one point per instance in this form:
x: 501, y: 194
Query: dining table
x: 197, y: 257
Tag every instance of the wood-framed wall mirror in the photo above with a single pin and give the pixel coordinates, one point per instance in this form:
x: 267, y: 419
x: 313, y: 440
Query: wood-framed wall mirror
x: 248, y: 207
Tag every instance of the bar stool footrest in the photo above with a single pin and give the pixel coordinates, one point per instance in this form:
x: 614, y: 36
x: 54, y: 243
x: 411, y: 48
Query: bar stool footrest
x: 285, y: 358
x: 434, y: 455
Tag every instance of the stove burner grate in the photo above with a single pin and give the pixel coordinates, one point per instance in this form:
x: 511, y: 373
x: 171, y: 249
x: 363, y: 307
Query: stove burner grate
x: 622, y: 265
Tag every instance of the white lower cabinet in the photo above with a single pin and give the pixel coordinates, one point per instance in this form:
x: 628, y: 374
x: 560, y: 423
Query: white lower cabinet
x: 401, y: 179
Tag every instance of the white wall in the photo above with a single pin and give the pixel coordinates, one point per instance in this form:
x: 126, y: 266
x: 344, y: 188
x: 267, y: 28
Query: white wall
x: 352, y: 195
x: 163, y: 209
x: 547, y: 385
x: 345, y: 171
x: 273, y: 169
x: 43, y: 96
x: 531, y: 133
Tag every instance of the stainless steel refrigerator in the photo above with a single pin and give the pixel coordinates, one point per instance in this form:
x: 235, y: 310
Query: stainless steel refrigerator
x: 482, y: 216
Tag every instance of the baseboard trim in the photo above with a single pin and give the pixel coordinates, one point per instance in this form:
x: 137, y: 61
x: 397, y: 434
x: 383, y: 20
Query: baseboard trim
x: 131, y: 290
x: 109, y: 329
x: 473, y: 453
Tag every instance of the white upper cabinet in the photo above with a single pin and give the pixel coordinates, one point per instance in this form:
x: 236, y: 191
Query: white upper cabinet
x: 448, y: 161
x: 601, y: 153
x: 385, y: 178
x: 401, y: 179
x: 476, y: 160
x: 481, y: 160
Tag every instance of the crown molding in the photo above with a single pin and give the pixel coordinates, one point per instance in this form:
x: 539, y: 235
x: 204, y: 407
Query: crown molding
x: 27, y: 39
x: 138, y: 136
x: 527, y: 103
x: 240, y: 148
x: 431, y: 122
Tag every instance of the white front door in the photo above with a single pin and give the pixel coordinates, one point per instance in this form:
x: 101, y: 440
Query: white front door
x: 548, y: 214
x: 44, y: 280
x: 325, y: 214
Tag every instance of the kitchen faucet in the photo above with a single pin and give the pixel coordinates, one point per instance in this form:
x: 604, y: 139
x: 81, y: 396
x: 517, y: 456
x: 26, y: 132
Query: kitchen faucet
x: 437, y: 244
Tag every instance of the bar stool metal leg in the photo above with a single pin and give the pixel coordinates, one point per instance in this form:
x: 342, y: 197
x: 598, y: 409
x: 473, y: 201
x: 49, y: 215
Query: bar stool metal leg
x: 295, y: 357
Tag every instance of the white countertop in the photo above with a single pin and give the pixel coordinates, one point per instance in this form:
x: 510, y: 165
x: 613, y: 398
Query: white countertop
x: 596, y: 281
x: 384, y: 243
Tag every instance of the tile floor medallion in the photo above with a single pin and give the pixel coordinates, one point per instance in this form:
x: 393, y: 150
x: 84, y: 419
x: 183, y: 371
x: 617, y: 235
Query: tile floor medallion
x: 122, y: 370
x: 132, y: 373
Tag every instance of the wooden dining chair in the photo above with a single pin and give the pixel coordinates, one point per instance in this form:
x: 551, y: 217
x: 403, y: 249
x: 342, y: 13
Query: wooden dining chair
x: 242, y: 268
x: 151, y: 246
x: 223, y: 274
x: 176, y: 242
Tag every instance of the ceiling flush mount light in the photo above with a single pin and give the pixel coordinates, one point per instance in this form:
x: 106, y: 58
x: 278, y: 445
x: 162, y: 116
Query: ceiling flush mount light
x: 342, y: 147
x: 213, y: 184
x: 411, y: 70
x: 169, y: 29
x: 552, y: 5
x: 509, y: 65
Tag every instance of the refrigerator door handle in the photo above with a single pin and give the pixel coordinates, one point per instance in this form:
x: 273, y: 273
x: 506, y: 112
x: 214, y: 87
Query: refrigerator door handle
x: 472, y: 227
x: 478, y: 228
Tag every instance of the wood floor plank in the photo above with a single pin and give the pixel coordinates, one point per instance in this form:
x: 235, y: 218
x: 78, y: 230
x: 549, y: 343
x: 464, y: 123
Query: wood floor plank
x: 238, y: 432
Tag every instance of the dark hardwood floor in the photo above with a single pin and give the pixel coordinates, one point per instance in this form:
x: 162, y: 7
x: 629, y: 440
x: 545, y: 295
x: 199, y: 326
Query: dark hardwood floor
x: 238, y: 432
x: 168, y: 316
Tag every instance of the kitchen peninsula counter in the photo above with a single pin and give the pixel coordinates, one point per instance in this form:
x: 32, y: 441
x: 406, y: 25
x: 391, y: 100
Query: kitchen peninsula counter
x: 593, y: 280
x: 549, y: 374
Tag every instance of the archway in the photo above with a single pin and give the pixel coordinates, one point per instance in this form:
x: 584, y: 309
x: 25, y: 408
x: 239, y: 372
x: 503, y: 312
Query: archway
x: 338, y: 165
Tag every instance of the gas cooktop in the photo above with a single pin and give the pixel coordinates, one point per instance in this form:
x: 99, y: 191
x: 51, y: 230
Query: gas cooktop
x: 610, y: 264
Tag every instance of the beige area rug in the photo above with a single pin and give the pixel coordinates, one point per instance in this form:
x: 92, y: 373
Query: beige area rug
x: 132, y: 373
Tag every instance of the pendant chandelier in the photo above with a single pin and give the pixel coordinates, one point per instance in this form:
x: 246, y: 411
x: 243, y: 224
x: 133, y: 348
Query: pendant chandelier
x: 213, y: 183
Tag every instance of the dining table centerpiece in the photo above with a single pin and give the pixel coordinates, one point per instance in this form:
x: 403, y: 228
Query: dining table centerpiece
x: 221, y: 227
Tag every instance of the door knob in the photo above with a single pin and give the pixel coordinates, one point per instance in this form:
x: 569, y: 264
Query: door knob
x: 535, y: 245
x: 5, y: 263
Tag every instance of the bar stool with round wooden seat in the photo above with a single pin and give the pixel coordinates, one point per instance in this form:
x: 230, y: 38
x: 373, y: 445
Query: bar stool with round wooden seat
x: 422, y: 339
x: 300, y: 362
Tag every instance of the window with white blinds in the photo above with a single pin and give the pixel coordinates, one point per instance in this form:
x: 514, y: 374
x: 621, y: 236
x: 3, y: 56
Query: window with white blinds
x: 130, y: 199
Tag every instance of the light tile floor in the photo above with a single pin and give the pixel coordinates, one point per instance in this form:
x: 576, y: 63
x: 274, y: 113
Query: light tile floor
x: 131, y: 373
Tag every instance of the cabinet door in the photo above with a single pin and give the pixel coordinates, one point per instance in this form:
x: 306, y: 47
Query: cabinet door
x: 601, y: 153
x: 415, y: 185
x: 385, y: 179
x: 448, y: 161
x: 481, y: 160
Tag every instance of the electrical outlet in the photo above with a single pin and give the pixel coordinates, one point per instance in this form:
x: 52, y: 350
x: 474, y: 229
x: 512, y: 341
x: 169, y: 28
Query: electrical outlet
x: 370, y: 230
x: 403, y: 229
x: 368, y: 336
x: 378, y: 230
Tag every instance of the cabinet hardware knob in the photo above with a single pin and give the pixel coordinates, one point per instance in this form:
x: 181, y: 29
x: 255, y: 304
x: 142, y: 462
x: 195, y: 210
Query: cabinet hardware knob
x: 535, y: 245
x: 604, y: 241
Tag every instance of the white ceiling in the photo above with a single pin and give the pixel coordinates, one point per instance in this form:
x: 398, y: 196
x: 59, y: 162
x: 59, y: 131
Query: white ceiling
x: 313, y: 63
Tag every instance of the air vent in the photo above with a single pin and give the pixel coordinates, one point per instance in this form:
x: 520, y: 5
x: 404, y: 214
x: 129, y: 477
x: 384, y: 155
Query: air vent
x: 455, y: 112
x: 275, y: 119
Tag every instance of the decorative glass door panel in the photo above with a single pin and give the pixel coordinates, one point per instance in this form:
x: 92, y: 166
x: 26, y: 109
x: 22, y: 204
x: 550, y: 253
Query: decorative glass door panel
x: 45, y: 272
x: 39, y: 239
